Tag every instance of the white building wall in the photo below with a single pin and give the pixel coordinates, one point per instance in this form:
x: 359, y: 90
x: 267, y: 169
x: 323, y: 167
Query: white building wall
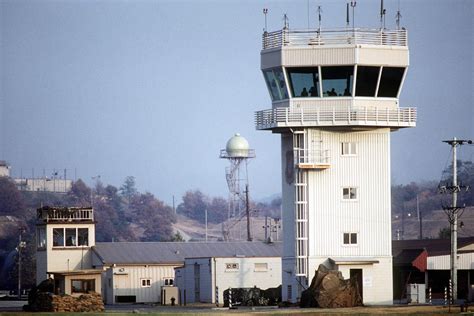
x: 214, y: 273
x: 44, y: 184
x: 369, y: 215
x: 126, y: 280
x: 69, y: 258
x: 465, y: 262
x: 4, y: 171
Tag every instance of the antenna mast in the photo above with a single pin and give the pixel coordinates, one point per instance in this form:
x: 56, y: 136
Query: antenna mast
x: 353, y: 5
x: 319, y: 17
x: 265, y: 12
x: 382, y: 15
x: 398, y: 16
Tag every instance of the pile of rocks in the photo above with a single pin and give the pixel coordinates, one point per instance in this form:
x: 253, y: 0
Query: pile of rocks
x: 328, y: 289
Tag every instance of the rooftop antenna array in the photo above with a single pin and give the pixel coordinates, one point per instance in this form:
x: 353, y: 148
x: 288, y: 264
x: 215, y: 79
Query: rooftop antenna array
x: 238, y: 153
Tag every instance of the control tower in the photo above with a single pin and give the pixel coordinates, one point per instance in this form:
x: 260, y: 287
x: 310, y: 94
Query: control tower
x: 335, y: 101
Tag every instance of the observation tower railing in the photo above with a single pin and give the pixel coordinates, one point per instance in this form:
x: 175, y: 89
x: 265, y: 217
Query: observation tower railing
x: 287, y: 37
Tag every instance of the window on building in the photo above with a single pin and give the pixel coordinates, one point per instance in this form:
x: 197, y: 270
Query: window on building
x: 349, y: 148
x: 169, y: 281
x: 349, y: 193
x: 276, y: 84
x: 304, y: 82
x: 146, y: 282
x: 82, y: 286
x: 390, y: 81
x: 41, y: 237
x: 260, y: 267
x: 82, y: 236
x: 366, y: 82
x: 58, y: 237
x: 350, y: 239
x: 231, y: 266
x: 71, y: 237
x: 337, y: 81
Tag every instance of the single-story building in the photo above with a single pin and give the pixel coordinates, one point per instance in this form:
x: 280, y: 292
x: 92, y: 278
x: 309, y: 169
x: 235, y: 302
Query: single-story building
x: 427, y: 261
x: 139, y: 271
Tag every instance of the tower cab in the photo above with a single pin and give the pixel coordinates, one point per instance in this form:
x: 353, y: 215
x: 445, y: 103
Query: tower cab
x: 64, y: 238
x: 335, y: 100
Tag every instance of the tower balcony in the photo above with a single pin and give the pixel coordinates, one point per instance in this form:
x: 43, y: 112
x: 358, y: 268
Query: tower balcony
x: 281, y: 118
x: 312, y: 159
x: 335, y: 37
x: 48, y: 214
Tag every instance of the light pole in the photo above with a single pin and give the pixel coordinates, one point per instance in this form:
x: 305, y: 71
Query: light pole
x: 21, y: 244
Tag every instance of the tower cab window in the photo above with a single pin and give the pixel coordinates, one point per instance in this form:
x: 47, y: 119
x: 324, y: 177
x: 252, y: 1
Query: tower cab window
x: 366, y: 82
x: 276, y: 84
x: 304, y: 82
x: 337, y: 81
x: 390, y: 81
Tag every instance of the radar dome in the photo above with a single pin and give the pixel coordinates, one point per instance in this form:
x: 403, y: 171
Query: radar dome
x: 237, y: 147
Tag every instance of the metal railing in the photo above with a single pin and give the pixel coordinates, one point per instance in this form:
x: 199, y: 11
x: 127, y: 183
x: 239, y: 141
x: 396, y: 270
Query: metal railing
x: 335, y: 116
x: 65, y: 214
x: 286, y: 37
x: 307, y: 156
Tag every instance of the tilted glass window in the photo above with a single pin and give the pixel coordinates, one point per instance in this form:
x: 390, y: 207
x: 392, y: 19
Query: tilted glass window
x: 276, y: 84
x: 337, y: 81
x: 70, y: 237
x: 390, y: 81
x: 366, y: 81
x: 304, y: 82
x: 82, y: 236
x: 58, y: 237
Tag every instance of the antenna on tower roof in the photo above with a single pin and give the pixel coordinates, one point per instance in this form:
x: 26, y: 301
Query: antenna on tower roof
x: 265, y: 12
x: 347, y: 14
x: 398, y: 16
x: 382, y: 15
x: 319, y: 17
x: 353, y: 5
x: 286, y: 24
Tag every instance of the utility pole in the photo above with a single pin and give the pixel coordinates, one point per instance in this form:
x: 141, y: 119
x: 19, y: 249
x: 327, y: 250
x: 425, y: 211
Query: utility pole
x: 452, y: 212
x: 247, y: 210
x: 21, y: 244
x: 205, y: 219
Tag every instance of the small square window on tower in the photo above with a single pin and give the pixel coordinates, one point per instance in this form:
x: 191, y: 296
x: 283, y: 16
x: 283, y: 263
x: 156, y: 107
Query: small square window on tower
x: 349, y: 149
x: 349, y: 193
x: 350, y: 238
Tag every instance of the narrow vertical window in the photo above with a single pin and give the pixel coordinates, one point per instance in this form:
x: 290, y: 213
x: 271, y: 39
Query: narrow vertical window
x: 83, y: 236
x: 58, y: 237
x: 71, y: 237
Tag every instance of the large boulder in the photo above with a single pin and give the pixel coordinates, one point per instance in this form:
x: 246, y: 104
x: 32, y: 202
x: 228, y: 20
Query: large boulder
x: 328, y: 289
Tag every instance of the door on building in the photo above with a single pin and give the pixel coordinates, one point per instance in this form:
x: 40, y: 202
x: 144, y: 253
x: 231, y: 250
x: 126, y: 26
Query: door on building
x: 357, y: 275
x: 197, y: 283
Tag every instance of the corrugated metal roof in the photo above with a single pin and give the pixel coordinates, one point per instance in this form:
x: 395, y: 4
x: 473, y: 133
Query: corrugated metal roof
x: 176, y: 252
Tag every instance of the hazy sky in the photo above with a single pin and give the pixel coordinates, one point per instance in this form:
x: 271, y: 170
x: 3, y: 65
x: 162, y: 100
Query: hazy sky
x: 154, y: 89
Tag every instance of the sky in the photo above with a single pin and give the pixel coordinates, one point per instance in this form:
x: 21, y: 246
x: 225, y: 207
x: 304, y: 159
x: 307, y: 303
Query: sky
x: 154, y: 89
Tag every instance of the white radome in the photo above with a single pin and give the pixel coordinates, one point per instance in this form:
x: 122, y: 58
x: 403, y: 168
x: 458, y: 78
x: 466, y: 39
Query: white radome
x: 237, y: 146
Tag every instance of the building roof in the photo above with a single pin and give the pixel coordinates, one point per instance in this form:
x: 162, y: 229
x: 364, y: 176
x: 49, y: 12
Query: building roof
x: 434, y: 247
x: 176, y: 252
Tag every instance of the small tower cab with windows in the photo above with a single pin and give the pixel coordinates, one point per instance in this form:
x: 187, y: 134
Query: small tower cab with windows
x: 335, y: 100
x: 64, y: 238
